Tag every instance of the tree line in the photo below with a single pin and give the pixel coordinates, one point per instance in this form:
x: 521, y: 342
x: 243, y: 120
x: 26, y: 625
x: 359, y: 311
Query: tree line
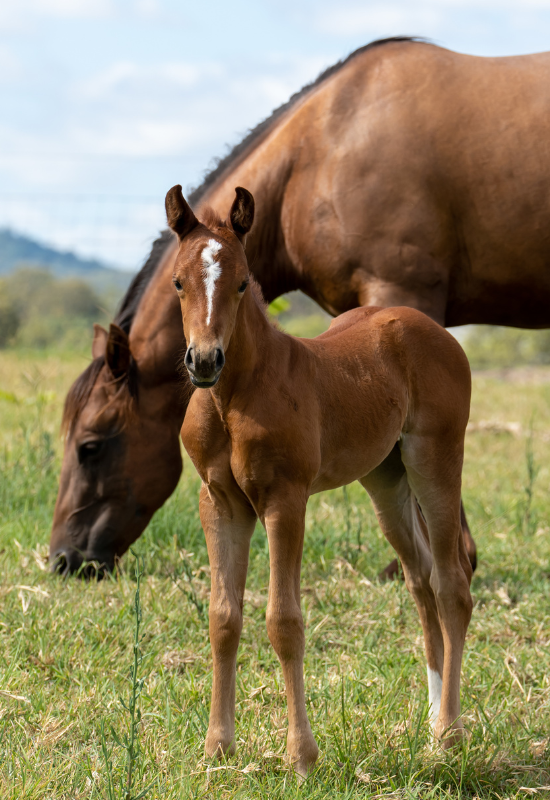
x: 39, y: 310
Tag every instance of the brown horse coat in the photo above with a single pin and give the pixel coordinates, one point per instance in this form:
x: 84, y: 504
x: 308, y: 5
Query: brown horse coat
x: 382, y: 397
x: 406, y: 175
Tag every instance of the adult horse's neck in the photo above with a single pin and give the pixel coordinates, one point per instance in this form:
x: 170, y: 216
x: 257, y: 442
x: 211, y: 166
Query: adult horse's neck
x: 157, y: 343
x: 265, y: 171
x: 156, y: 337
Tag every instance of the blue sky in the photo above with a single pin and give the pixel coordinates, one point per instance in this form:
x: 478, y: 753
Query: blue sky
x: 107, y: 103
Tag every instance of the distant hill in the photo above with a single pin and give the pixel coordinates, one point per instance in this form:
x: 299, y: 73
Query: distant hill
x: 16, y: 250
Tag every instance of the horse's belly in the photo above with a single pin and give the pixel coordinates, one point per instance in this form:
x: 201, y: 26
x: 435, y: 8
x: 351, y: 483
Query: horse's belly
x: 354, y: 459
x: 516, y: 296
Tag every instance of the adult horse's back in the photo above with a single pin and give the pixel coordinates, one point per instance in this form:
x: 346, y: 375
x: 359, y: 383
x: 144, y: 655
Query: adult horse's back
x: 405, y: 175
x: 412, y: 176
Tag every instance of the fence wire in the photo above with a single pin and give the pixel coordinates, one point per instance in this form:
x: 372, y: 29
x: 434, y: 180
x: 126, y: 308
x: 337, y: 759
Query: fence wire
x: 117, y: 230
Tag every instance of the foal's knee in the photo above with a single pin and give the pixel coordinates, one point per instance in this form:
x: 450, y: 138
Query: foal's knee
x: 225, y: 621
x: 285, y: 628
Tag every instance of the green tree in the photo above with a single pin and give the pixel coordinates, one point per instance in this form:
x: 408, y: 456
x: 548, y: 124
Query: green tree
x: 51, y: 311
x: 9, y: 317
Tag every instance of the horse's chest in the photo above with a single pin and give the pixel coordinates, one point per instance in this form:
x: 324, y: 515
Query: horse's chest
x: 264, y: 465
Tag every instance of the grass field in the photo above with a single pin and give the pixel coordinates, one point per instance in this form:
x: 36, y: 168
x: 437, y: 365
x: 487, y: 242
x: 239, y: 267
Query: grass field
x: 66, y: 647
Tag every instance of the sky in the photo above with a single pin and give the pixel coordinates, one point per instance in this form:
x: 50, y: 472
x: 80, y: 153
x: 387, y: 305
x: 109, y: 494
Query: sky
x: 106, y: 104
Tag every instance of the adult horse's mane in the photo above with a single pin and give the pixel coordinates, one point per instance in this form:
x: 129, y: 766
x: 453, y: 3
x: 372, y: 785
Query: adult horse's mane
x: 130, y: 302
x: 257, y: 134
x: 79, y: 392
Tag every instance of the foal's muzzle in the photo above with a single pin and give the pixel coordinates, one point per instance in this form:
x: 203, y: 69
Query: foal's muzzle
x: 204, y: 367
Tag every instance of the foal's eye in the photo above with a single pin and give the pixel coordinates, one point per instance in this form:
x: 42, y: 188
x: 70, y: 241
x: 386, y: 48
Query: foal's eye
x: 243, y: 286
x: 88, y: 450
x: 177, y: 284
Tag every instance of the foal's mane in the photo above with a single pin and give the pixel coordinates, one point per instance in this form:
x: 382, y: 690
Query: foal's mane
x: 255, y: 136
x: 81, y: 389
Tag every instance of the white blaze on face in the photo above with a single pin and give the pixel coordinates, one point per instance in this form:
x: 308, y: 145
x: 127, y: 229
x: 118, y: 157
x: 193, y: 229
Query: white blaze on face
x: 434, y: 690
x: 211, y: 273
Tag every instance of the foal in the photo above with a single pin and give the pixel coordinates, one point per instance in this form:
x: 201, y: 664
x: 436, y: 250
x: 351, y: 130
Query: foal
x: 383, y: 397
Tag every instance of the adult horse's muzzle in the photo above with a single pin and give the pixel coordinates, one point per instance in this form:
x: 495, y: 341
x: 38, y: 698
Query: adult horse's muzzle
x: 69, y: 562
x: 204, y: 367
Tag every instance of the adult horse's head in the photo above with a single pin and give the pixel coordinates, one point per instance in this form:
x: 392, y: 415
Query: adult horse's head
x: 121, y: 462
x: 210, y: 275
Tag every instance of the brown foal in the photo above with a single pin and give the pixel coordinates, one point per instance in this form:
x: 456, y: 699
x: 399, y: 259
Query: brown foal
x: 382, y: 397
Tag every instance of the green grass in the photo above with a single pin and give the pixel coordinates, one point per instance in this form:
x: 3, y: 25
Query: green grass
x: 67, y: 648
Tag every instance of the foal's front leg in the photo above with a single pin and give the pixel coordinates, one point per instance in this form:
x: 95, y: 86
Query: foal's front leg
x: 228, y: 526
x: 285, y: 522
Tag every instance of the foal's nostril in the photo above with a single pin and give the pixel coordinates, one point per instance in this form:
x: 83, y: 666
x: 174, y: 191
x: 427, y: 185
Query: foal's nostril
x: 220, y: 359
x: 189, y: 360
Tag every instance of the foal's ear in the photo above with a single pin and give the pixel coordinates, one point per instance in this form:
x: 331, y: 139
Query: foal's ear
x: 241, y: 215
x: 178, y: 212
x: 117, y: 351
x: 99, y: 343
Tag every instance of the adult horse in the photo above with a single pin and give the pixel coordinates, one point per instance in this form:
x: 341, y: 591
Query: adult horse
x: 382, y: 397
x: 405, y: 175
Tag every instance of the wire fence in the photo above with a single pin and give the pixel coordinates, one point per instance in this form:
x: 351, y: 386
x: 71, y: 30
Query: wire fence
x: 115, y: 229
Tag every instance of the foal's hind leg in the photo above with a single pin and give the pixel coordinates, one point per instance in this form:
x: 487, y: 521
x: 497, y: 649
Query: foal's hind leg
x: 405, y: 529
x: 434, y: 474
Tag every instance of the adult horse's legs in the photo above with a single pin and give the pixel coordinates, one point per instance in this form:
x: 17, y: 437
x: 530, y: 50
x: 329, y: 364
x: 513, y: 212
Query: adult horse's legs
x: 392, y: 571
x: 284, y: 522
x: 405, y: 529
x: 469, y: 543
x: 434, y: 474
x: 228, y: 531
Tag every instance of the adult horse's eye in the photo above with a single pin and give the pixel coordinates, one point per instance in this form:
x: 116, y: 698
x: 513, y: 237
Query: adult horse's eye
x: 243, y: 286
x: 177, y: 284
x: 88, y: 450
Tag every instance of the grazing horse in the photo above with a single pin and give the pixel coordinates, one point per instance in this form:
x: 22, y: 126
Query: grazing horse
x: 396, y: 178
x: 122, y: 421
x: 382, y: 397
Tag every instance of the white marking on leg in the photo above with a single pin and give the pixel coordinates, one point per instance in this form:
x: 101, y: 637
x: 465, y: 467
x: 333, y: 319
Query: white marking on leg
x: 211, y: 272
x: 435, y: 684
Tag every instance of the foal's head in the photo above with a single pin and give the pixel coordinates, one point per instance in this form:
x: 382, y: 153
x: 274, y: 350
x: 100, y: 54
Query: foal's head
x: 210, y: 275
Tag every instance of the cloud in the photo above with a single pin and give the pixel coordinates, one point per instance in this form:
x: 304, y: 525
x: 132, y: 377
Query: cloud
x: 130, y: 78
x: 23, y: 15
x: 11, y: 68
x: 67, y: 9
x: 173, y: 107
x: 135, y: 137
x: 428, y: 16
x: 149, y: 9
x: 382, y: 19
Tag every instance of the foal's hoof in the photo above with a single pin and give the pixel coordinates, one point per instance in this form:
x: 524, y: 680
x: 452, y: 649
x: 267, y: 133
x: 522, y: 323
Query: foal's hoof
x: 302, y: 754
x: 450, y: 736
x: 218, y: 745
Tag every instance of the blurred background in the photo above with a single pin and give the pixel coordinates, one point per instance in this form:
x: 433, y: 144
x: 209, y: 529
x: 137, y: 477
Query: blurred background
x: 105, y: 104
